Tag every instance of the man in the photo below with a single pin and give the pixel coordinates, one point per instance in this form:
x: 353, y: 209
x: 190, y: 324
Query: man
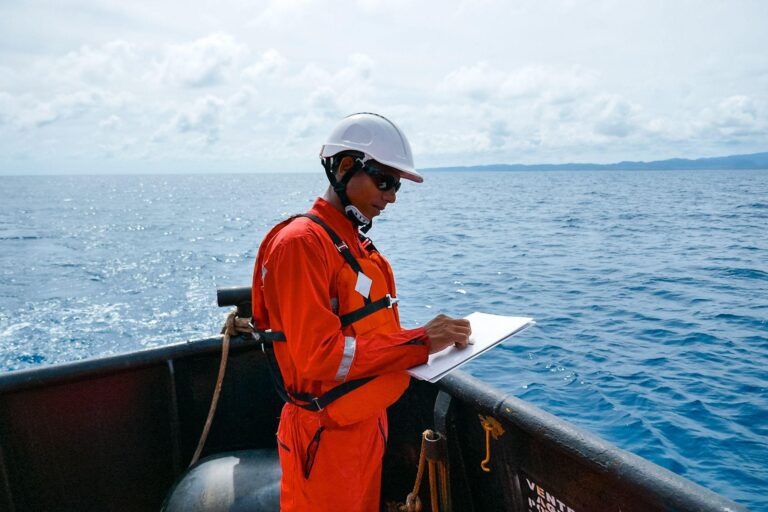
x: 329, y: 299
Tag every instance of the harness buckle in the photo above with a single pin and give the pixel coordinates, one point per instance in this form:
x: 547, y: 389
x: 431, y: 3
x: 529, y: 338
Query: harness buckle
x: 392, y: 301
x: 256, y: 335
x: 342, y: 246
x: 316, y: 402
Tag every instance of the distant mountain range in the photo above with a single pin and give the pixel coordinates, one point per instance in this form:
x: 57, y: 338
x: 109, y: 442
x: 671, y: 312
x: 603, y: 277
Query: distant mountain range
x: 753, y: 161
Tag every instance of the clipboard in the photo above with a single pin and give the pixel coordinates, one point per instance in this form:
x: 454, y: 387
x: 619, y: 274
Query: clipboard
x: 487, y: 332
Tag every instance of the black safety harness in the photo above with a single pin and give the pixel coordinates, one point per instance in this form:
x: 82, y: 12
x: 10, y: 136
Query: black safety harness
x: 268, y: 337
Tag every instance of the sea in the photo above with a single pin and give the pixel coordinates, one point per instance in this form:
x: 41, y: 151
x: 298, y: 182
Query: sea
x: 649, y: 288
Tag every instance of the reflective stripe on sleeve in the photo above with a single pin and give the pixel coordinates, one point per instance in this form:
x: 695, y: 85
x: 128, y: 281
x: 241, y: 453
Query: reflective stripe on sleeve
x: 346, y: 360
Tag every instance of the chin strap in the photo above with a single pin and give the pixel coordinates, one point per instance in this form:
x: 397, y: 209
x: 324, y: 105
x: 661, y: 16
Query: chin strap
x: 340, y: 187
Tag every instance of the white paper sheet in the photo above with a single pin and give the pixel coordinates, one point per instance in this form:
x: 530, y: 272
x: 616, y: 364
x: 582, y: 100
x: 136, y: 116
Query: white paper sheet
x: 487, y: 332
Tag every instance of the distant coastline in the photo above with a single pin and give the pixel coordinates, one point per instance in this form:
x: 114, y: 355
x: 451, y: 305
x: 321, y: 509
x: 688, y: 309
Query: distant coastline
x: 754, y: 161
x: 751, y: 161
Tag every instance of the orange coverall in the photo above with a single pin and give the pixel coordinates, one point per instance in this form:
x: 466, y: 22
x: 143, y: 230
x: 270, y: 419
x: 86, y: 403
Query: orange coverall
x: 331, y: 460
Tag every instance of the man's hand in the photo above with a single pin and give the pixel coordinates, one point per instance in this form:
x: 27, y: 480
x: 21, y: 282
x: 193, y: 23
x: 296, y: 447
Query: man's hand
x: 444, y: 331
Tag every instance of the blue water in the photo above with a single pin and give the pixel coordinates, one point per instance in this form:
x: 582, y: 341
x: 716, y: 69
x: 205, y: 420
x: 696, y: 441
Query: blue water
x: 650, y: 289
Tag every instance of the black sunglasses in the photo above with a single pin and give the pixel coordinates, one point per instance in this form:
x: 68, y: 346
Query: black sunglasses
x: 383, y: 181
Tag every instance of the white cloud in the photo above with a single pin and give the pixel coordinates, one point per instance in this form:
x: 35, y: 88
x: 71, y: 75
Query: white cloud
x: 497, y: 115
x: 119, y: 148
x: 479, y: 82
x: 307, y: 125
x: 329, y: 95
x: 67, y: 106
x: 355, y: 75
x: 111, y: 123
x: 6, y: 108
x: 737, y: 119
x: 242, y: 101
x: 498, y: 133
x: 116, y: 60
x: 203, y: 117
x: 270, y: 63
x: 484, y: 82
x: 324, y: 100
x: 737, y: 116
x: 614, y: 116
x: 382, y: 6
x: 361, y: 67
x: 278, y: 13
x: 204, y: 62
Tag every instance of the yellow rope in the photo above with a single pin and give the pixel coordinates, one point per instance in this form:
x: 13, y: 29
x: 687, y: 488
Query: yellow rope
x: 412, y: 501
x: 230, y: 329
x: 438, y: 493
x: 445, y: 502
x: 433, y: 490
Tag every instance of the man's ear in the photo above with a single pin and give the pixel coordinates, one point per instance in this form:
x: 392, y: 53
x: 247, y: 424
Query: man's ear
x: 346, y: 163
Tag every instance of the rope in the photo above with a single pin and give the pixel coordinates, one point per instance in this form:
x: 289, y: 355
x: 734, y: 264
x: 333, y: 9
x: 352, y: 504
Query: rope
x: 232, y: 326
x: 412, y: 501
x: 438, y: 491
x: 444, y: 487
x: 433, y: 491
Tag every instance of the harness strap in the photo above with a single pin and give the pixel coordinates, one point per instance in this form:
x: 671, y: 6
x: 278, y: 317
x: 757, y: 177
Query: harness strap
x: 311, y: 402
x: 340, y: 244
x: 318, y: 403
x: 372, y: 307
x: 367, y: 243
x: 353, y: 316
x: 268, y: 336
x: 277, y: 377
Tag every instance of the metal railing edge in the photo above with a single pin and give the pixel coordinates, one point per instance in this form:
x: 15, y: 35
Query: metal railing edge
x: 600, y: 455
x: 102, y: 365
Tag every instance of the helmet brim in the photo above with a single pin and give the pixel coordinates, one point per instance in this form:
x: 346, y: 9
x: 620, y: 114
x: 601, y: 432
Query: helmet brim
x: 411, y: 175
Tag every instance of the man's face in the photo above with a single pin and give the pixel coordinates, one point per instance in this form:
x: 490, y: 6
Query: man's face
x: 364, y: 190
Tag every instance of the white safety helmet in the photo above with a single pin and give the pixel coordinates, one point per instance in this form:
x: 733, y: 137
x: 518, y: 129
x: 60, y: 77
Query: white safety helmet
x: 375, y: 136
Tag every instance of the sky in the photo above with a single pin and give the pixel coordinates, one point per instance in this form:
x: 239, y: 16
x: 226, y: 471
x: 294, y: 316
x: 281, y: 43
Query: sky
x: 108, y: 86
